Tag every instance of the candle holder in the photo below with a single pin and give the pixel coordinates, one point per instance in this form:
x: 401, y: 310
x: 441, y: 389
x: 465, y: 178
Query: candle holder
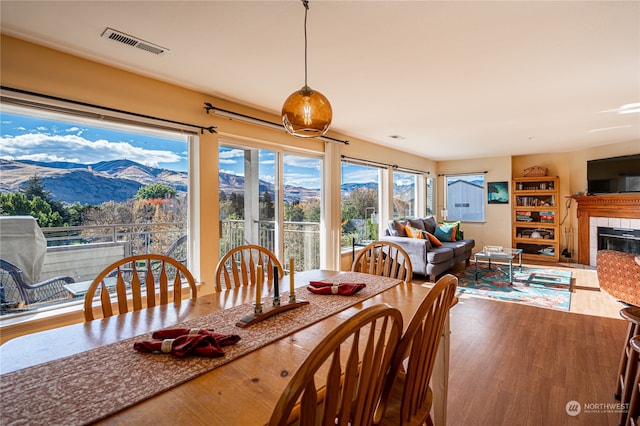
x: 268, y: 312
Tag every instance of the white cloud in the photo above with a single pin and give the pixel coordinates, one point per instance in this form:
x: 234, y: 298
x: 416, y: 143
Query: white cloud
x: 230, y: 172
x: 74, y: 148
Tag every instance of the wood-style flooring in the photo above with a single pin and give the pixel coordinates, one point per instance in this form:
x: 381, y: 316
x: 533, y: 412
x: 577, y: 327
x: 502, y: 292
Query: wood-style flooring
x: 513, y: 364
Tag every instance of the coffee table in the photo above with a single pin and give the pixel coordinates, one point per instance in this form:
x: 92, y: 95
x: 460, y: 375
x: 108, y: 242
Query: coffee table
x: 493, y: 253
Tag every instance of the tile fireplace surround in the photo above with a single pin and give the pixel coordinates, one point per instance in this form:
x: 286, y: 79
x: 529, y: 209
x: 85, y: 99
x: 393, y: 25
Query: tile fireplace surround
x: 616, y: 211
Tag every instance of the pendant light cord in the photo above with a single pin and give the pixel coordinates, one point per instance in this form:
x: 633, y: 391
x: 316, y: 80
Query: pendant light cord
x: 305, y: 3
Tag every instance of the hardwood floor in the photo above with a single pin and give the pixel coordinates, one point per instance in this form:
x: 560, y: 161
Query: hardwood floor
x: 513, y: 364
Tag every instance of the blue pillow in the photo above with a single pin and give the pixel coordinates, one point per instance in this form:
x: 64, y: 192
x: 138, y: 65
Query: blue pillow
x: 445, y: 233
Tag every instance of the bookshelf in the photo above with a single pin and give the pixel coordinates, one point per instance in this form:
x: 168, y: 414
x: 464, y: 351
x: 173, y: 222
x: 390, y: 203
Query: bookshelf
x: 535, y: 217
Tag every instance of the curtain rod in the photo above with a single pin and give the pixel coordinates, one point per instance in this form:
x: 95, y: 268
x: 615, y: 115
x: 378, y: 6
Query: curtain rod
x: 260, y: 122
x: 393, y: 166
x: 465, y: 173
x: 210, y: 129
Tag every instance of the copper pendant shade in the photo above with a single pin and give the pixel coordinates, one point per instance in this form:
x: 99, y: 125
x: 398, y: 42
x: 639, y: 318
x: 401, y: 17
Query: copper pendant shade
x: 306, y: 113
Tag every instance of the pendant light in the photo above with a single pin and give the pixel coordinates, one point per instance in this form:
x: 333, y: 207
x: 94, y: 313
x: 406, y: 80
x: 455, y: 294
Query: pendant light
x: 306, y: 113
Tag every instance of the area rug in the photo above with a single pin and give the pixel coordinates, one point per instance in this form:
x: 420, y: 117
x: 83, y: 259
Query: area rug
x: 543, y: 287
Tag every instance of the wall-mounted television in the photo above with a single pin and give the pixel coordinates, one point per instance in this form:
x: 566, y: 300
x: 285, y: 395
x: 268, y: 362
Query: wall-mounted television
x: 614, y: 175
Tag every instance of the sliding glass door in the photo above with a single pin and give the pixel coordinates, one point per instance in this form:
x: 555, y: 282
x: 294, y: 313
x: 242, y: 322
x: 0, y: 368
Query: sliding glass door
x: 272, y: 199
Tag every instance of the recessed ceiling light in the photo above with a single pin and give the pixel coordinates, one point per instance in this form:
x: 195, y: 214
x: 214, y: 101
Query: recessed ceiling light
x: 396, y: 137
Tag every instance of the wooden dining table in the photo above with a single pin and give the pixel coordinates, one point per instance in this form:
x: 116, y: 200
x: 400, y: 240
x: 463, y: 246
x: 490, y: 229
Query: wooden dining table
x: 240, y: 392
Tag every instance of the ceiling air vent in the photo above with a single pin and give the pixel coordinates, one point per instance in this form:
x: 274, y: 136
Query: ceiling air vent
x: 123, y: 38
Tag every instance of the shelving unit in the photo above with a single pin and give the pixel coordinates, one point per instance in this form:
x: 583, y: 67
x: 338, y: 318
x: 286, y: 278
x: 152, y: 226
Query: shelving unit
x: 535, y: 217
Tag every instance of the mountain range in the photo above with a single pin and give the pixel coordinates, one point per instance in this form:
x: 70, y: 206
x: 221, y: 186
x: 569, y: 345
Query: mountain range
x: 119, y: 180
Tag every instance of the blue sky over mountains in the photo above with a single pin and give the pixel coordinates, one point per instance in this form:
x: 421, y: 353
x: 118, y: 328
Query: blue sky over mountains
x: 45, y: 140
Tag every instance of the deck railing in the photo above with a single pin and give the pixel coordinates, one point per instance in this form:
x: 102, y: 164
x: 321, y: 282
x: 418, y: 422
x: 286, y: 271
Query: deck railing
x: 301, y: 240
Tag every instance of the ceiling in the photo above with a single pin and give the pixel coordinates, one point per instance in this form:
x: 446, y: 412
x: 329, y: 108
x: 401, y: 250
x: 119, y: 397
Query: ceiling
x: 450, y: 79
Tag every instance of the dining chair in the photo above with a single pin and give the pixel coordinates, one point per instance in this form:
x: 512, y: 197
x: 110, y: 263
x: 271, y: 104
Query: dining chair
x: 237, y: 268
x: 384, y: 258
x: 633, y: 413
x: 157, y: 278
x: 340, y: 382
x: 628, y: 360
x: 407, y: 398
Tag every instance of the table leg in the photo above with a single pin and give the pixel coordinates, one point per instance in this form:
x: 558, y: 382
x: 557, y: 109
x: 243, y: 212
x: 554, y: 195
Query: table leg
x: 520, y: 260
x: 475, y: 260
x: 510, y: 271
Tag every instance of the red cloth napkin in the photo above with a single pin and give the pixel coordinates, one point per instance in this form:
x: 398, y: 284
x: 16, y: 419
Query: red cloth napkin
x: 188, y: 344
x: 343, y: 289
x: 221, y: 339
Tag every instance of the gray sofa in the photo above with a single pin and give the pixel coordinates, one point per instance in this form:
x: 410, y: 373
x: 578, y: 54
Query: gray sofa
x: 425, y: 258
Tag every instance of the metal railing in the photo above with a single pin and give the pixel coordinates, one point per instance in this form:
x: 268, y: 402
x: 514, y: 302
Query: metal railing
x: 301, y: 240
x: 141, y: 238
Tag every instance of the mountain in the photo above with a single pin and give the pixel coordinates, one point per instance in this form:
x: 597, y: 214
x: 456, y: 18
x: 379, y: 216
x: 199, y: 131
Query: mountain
x: 96, y: 183
x: 116, y: 180
x: 119, y: 180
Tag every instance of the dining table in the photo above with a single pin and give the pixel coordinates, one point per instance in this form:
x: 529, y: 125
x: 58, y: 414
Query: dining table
x: 88, y: 373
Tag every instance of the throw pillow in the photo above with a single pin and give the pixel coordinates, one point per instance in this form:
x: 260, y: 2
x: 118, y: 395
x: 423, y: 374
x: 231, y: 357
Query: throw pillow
x: 413, y: 232
x: 429, y: 224
x: 396, y: 228
x: 458, y: 225
x: 445, y: 233
x: 416, y: 223
x: 432, y: 238
x: 400, y: 227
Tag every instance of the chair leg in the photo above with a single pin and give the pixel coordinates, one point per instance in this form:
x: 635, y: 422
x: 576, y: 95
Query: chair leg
x: 624, y: 358
x: 630, y: 377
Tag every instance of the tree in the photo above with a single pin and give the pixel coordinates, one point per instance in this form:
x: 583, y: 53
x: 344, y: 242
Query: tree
x: 155, y: 190
x: 312, y: 210
x: 356, y: 203
x: 35, y: 188
x: 267, y: 209
x: 293, y: 212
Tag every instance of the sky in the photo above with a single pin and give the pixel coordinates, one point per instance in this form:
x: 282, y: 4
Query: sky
x: 40, y: 138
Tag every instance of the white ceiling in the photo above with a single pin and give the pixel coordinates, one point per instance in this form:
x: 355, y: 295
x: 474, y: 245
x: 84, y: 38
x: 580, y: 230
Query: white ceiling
x: 453, y: 79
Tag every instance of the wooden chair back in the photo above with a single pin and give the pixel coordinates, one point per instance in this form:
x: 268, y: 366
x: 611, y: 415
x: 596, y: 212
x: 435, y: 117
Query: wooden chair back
x: 384, y: 258
x: 407, y: 398
x: 138, y: 282
x: 237, y: 268
x: 341, y: 380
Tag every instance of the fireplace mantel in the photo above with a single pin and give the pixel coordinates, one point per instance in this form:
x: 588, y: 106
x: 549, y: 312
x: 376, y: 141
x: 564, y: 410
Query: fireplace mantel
x: 623, y: 206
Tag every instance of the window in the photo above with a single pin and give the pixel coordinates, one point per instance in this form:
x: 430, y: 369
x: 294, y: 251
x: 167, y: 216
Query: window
x: 464, y: 197
x: 98, y: 190
x: 404, y: 195
x: 250, y: 188
x: 360, y: 190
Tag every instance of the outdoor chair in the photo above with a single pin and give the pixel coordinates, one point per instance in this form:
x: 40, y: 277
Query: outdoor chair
x: 341, y: 380
x: 16, y: 293
x: 138, y: 282
x: 238, y: 267
x: 384, y: 258
x: 407, y: 397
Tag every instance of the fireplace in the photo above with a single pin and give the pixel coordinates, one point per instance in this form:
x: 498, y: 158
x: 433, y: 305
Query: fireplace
x: 620, y: 239
x: 607, y: 211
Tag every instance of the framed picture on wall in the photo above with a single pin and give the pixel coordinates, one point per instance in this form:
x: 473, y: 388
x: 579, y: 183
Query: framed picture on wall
x: 498, y: 192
